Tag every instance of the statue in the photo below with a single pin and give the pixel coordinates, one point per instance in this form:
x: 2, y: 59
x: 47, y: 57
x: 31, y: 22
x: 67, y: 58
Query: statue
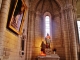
x: 43, y: 46
x: 48, y: 40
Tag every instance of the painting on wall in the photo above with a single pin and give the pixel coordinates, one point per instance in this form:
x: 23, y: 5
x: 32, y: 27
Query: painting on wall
x: 17, y: 17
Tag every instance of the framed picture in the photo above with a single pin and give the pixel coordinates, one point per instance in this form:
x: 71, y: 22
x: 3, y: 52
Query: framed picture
x: 17, y: 18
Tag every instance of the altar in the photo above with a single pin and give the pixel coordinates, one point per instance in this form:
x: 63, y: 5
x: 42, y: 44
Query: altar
x: 46, y: 51
x: 49, y: 57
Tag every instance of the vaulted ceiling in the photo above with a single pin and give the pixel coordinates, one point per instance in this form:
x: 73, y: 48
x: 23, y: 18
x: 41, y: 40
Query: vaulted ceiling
x: 47, y: 5
x: 52, y: 6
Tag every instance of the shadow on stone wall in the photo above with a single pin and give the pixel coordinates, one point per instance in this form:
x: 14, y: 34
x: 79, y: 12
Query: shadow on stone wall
x: 78, y: 55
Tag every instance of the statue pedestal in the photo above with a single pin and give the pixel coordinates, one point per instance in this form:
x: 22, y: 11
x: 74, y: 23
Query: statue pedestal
x: 49, y: 57
x: 48, y: 51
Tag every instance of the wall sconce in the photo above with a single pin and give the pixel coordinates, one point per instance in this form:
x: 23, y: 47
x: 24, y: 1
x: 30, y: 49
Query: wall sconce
x: 23, y: 37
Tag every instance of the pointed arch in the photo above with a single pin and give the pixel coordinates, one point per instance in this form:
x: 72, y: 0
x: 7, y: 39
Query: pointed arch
x: 59, y: 3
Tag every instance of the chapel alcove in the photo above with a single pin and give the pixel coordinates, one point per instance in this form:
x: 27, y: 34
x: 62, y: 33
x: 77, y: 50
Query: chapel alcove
x: 63, y: 28
x: 38, y: 14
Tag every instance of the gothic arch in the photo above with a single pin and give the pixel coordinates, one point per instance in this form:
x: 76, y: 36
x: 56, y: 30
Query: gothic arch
x: 41, y: 4
x: 58, y: 2
x: 47, y: 13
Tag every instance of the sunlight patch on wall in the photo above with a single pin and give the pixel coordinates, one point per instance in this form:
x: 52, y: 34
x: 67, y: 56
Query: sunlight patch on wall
x: 78, y: 24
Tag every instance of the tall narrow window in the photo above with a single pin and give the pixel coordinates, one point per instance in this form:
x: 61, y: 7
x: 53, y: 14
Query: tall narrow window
x: 47, y: 25
x: 78, y: 24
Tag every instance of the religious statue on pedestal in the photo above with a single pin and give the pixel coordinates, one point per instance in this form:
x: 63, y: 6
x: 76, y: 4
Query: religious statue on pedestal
x: 43, y: 46
x: 48, y: 40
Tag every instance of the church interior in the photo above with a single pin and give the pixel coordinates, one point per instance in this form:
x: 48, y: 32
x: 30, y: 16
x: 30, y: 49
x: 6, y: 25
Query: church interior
x: 39, y: 29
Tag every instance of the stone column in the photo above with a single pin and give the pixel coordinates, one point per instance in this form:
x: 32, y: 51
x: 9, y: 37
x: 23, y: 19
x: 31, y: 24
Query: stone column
x: 37, y: 32
x: 37, y: 29
x: 72, y: 34
x: 3, y: 22
x: 65, y: 32
x: 30, y: 33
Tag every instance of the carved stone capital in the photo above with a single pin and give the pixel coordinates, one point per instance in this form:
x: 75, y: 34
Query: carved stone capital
x: 38, y: 13
x: 74, y: 9
x: 68, y: 7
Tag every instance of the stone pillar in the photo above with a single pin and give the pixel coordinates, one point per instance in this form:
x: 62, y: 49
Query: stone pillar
x: 3, y: 22
x: 37, y: 34
x: 38, y: 29
x: 30, y: 33
x: 71, y: 50
x: 72, y: 34
x: 65, y: 32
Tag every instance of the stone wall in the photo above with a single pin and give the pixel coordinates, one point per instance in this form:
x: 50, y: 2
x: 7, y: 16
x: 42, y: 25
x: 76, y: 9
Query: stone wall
x: 10, y: 43
x: 63, y: 37
x: 0, y: 4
